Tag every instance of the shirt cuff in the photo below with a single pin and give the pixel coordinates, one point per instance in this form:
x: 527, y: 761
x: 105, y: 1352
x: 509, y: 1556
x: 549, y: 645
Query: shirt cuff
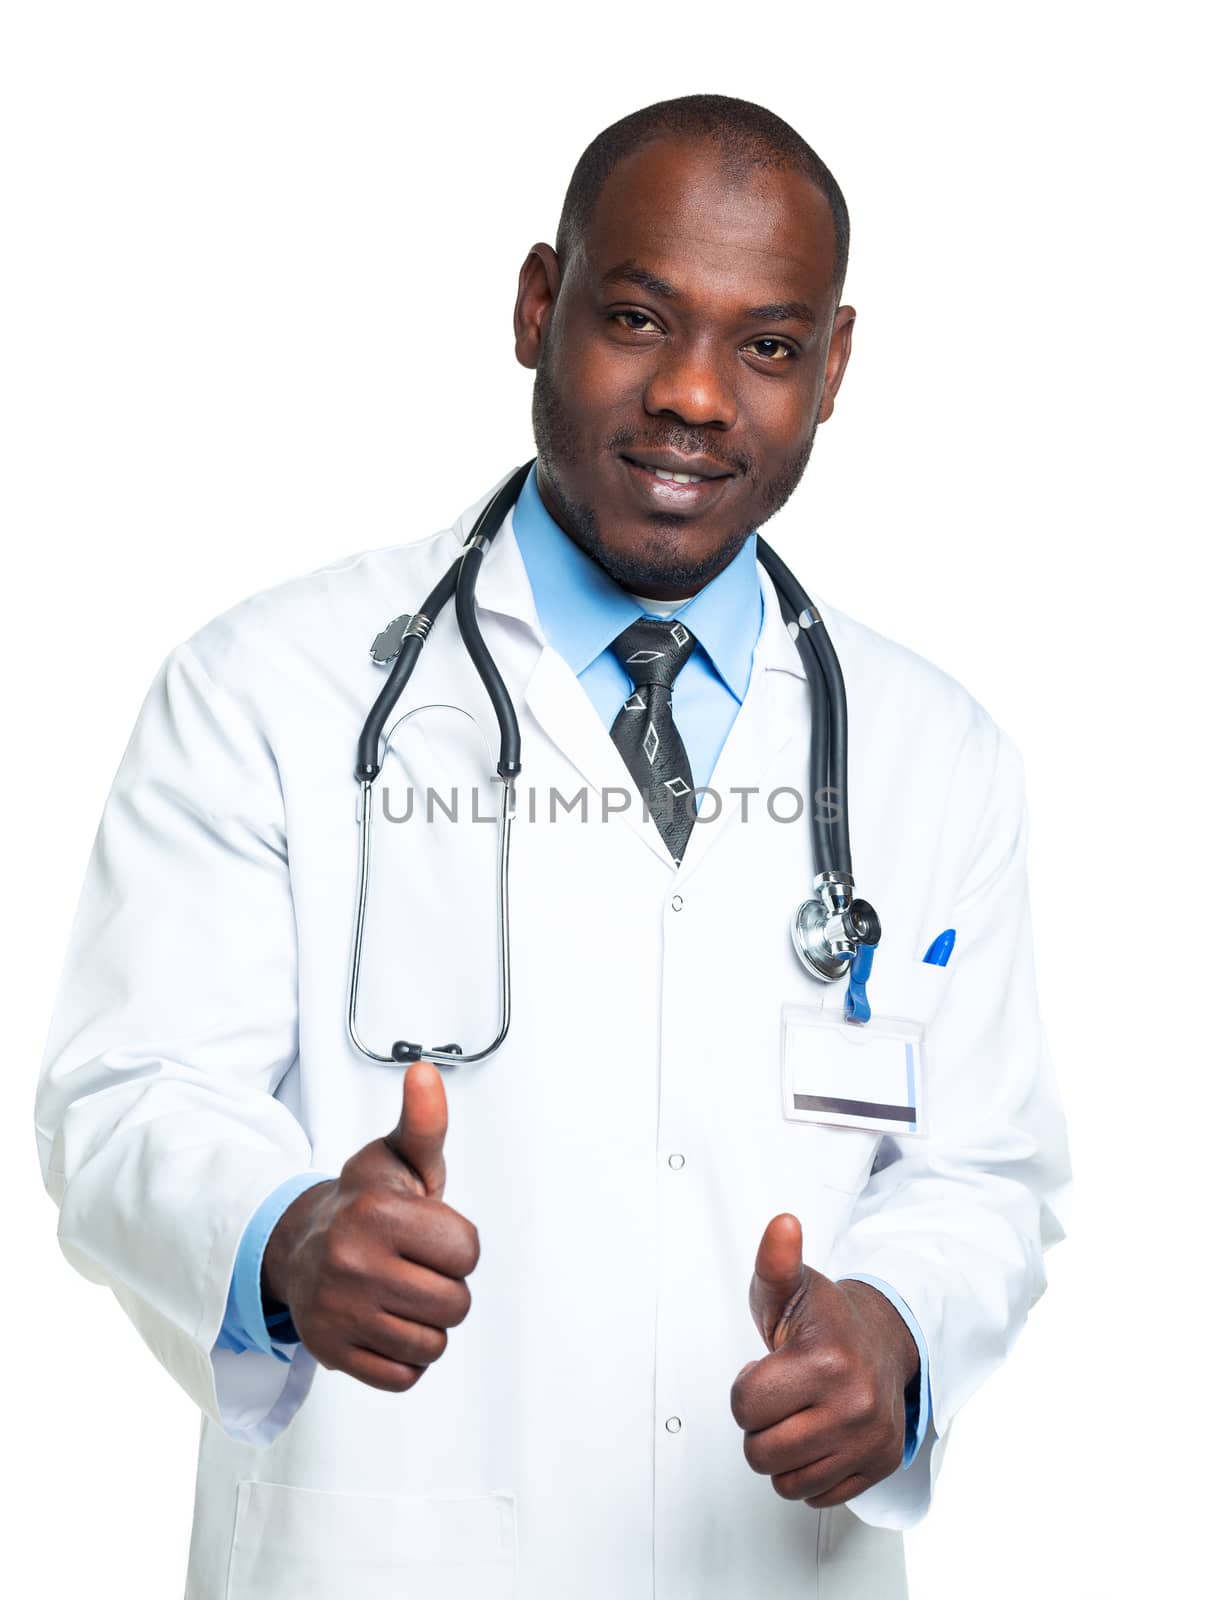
x: 916, y: 1405
x: 245, y: 1326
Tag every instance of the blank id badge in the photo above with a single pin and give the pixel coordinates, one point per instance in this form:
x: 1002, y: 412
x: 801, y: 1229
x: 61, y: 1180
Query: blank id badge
x: 854, y: 1075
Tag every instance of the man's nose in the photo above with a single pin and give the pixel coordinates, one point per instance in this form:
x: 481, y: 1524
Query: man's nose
x: 690, y: 381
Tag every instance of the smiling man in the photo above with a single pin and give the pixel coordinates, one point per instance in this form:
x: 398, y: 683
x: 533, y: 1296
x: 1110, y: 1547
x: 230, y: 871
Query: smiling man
x: 687, y: 340
x: 742, y: 1242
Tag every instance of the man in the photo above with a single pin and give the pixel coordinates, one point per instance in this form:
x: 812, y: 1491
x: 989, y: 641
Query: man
x: 714, y: 1348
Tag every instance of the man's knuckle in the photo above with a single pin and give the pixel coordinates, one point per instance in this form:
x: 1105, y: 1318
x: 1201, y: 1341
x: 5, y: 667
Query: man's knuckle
x: 362, y: 1172
x: 342, y: 1256
x: 834, y: 1362
x: 432, y: 1342
x: 860, y: 1402
x: 367, y: 1208
x: 461, y: 1300
x: 472, y: 1249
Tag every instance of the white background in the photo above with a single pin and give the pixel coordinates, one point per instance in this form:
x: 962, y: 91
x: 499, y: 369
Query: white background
x: 258, y: 281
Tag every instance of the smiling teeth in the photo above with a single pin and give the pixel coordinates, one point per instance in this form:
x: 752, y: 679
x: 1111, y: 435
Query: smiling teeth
x: 675, y: 477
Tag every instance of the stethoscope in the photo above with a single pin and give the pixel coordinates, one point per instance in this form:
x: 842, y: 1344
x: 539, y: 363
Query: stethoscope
x: 834, y: 934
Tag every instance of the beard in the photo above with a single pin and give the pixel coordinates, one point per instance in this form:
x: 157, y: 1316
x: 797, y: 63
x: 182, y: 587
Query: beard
x: 660, y: 562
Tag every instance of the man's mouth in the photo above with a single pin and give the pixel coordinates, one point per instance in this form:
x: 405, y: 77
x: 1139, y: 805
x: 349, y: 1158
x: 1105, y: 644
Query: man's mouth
x: 672, y: 467
x: 672, y: 477
x: 665, y: 482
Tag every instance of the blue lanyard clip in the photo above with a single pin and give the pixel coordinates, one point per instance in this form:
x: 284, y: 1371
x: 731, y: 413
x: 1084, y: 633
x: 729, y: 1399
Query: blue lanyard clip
x: 857, y: 1006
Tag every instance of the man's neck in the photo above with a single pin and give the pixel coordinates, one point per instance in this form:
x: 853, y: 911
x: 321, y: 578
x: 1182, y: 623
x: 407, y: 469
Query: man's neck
x: 659, y: 608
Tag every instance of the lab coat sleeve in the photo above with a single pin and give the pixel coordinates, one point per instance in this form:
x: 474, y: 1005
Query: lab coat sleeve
x: 158, y: 1128
x: 959, y: 1221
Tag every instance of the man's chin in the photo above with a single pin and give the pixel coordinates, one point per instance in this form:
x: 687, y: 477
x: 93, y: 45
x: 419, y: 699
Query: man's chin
x: 667, y: 558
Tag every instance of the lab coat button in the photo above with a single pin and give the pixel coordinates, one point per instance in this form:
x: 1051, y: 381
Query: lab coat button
x: 677, y: 902
x: 673, y: 1424
x: 676, y: 1160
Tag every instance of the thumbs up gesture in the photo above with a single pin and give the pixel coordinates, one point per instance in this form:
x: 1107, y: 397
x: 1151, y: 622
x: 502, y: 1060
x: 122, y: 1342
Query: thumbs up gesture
x: 372, y: 1264
x: 823, y: 1413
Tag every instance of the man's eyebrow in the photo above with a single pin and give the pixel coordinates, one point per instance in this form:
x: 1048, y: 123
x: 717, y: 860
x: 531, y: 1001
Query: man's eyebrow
x: 631, y: 272
x: 779, y: 311
x: 783, y: 311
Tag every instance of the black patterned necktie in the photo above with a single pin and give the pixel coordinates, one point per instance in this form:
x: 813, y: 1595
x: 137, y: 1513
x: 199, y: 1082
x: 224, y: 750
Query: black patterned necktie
x: 653, y: 651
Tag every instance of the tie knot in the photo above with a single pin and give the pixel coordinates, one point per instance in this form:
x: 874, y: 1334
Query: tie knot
x: 653, y: 650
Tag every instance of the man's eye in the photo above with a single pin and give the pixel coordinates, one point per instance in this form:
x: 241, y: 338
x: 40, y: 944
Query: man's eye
x: 772, y: 349
x: 635, y: 321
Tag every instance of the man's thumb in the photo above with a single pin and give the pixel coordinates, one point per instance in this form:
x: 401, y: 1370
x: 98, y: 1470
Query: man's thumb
x: 418, y: 1137
x: 778, y: 1278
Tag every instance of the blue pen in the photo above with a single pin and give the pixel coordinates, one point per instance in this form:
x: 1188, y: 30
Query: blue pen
x: 939, y: 952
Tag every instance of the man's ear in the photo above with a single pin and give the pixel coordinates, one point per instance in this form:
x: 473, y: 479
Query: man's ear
x: 838, y: 358
x: 539, y: 279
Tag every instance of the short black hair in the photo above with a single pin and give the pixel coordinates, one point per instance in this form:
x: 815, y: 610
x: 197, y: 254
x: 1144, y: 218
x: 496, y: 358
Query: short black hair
x: 746, y: 135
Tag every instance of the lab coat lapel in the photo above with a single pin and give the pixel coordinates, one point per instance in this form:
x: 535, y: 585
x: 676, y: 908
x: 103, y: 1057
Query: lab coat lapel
x: 558, y: 701
x: 762, y: 729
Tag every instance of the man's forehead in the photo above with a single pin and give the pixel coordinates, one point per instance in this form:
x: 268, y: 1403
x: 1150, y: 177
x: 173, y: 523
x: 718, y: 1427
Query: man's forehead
x: 681, y: 212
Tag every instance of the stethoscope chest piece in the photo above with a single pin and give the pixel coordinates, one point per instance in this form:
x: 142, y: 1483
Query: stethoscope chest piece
x: 827, y: 929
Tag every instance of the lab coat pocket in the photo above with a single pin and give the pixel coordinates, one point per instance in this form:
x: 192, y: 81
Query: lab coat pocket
x: 841, y: 1158
x: 311, y: 1544
x: 908, y: 988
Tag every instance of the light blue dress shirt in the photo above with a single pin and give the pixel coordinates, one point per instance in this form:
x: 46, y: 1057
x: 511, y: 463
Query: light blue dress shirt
x: 581, y: 611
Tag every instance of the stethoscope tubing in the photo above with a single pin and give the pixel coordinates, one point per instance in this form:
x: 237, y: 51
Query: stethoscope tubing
x: 829, y: 798
x: 461, y: 579
x: 404, y: 1050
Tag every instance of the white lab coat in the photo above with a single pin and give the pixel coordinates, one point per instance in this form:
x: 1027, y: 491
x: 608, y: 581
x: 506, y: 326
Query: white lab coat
x: 198, y: 1056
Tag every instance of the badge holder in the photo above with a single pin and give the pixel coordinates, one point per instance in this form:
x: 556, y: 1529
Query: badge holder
x: 838, y: 1072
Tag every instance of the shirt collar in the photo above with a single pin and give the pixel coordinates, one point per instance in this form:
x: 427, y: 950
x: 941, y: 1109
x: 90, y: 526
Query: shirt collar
x: 581, y: 609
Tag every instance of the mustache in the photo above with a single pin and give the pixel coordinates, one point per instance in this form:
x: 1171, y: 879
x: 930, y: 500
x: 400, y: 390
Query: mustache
x: 685, y: 441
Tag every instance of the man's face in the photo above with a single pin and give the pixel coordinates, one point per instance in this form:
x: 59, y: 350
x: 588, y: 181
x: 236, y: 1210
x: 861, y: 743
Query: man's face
x: 694, y: 331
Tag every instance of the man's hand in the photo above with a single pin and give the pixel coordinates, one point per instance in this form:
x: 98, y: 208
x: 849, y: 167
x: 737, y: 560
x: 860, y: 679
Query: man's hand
x: 372, y: 1264
x: 823, y: 1414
